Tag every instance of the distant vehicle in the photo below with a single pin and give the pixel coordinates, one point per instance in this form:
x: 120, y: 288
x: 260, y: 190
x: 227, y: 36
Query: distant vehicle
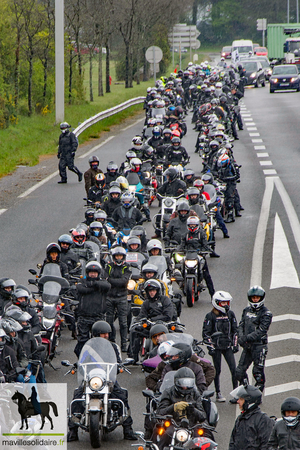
x: 254, y: 73
x: 261, y: 51
x: 265, y: 65
x: 255, y: 45
x: 176, y: 50
x: 226, y: 52
x: 285, y: 77
x: 243, y: 46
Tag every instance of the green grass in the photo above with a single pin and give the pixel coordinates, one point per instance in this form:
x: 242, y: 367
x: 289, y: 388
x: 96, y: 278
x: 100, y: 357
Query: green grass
x: 32, y: 137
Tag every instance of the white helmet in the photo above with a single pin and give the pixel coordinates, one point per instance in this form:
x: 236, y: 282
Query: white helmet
x: 164, y: 348
x: 154, y: 243
x: 221, y: 296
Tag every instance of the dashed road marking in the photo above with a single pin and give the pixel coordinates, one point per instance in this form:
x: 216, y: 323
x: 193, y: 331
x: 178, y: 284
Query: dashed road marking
x: 251, y: 128
x: 286, y: 387
x: 256, y: 141
x: 282, y: 317
x: 254, y: 134
x: 259, y: 147
x: 39, y: 184
x: 266, y: 163
x: 2, y: 211
x: 282, y: 360
x: 270, y: 172
x: 262, y: 155
x: 132, y: 125
x: 284, y: 337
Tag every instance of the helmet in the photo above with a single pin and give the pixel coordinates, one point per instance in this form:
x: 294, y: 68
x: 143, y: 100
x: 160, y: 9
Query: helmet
x: 114, y: 190
x: 183, y: 206
x: 93, y: 266
x: 148, y: 150
x: 207, y: 177
x: 193, y: 224
x: 94, y: 162
x: 65, y: 239
x: 158, y: 328
x: 96, y: 229
x: 100, y: 180
x: 79, y: 237
x: 259, y: 292
x: 156, y: 132
x: 176, y: 141
x: 100, y: 327
x: 179, y: 354
x: 89, y: 215
x: 127, y: 199
x: 149, y: 268
x: 163, y: 349
x: 139, y: 231
x: 123, y: 183
x: 152, y: 244
x: 200, y: 443
x: 151, y: 285
x: 171, y: 173
x: 6, y: 283
x: 135, y: 164
x: 223, y: 161
x: 10, y: 325
x: 118, y: 251
x: 251, y: 394
x: 17, y: 314
x: 20, y: 293
x: 137, y: 142
x: 189, y: 173
x: 167, y: 131
x: 134, y: 240
x: 290, y: 404
x: 64, y: 126
x: 221, y: 296
x: 53, y: 247
x: 130, y: 154
x: 112, y: 166
x: 193, y: 191
x: 100, y: 215
x: 3, y: 337
x: 214, y: 145
x: 184, y: 380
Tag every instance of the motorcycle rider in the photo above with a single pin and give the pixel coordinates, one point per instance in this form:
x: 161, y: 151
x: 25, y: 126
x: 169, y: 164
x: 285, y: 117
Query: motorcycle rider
x: 118, y: 273
x: 7, y: 287
x: 127, y: 215
x: 193, y: 196
x: 89, y: 216
x: 113, y: 200
x: 102, y: 329
x: 8, y: 361
x: 252, y: 427
x: 101, y: 216
x: 21, y: 299
x: 176, y: 153
x: 89, y: 175
x: 221, y: 319
x: 136, y: 167
x: 53, y: 252
x: 181, y: 400
x: 96, y: 192
x: 67, y: 147
x: 67, y: 256
x: 228, y: 174
x: 207, y: 179
x: 148, y: 271
x: 189, y: 177
x: 252, y: 330
x: 111, y: 173
x: 286, y: 432
x: 178, y: 225
x: 79, y: 246
x: 156, y: 307
x: 92, y: 292
x: 173, y: 187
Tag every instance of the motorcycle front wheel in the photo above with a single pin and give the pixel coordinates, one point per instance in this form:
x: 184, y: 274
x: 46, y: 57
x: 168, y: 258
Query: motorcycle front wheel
x: 190, y: 292
x: 95, y: 430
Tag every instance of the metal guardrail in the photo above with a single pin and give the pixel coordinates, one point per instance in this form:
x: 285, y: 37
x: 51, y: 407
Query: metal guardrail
x: 107, y: 113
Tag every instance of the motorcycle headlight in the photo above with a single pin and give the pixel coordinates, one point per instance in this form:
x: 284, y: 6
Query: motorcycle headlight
x: 178, y: 257
x: 182, y: 435
x: 131, y: 285
x: 168, y: 202
x: 191, y: 263
x: 48, y: 323
x: 96, y: 383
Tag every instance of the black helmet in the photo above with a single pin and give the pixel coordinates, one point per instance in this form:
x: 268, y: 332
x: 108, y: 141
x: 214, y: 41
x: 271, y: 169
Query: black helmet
x: 149, y: 268
x: 290, y: 404
x: 158, y: 328
x: 171, y: 174
x: 7, y: 283
x: 100, y: 327
x: 200, y: 443
x: 214, y: 145
x: 133, y: 240
x: 259, y: 292
x: 184, y: 380
x: 53, y: 247
x: 151, y: 285
x: 89, y: 215
x: 193, y: 191
x: 176, y: 141
x: 93, y: 266
x: 183, y: 206
x: 94, y: 162
x: 179, y: 354
x: 251, y: 394
x: 118, y: 251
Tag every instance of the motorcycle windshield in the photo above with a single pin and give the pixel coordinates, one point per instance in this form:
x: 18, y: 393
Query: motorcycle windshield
x: 160, y: 262
x: 49, y: 311
x: 168, y: 381
x: 51, y: 269
x: 182, y: 338
x: 51, y: 292
x: 133, y: 178
x: 52, y: 282
x: 95, y: 249
x: 211, y: 190
x: 97, y: 353
x: 158, y: 112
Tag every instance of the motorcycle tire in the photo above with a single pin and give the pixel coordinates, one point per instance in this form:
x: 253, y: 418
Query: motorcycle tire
x: 190, y: 292
x: 95, y: 430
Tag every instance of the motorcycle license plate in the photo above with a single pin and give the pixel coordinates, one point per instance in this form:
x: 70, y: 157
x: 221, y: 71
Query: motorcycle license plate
x: 284, y: 84
x: 131, y: 257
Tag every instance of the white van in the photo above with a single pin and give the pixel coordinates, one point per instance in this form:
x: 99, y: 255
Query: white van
x: 243, y: 46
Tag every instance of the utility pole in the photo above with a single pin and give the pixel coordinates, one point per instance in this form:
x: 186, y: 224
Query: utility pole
x: 59, y: 62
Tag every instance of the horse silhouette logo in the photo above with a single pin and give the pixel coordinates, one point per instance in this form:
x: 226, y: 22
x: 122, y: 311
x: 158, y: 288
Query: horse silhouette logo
x: 32, y: 407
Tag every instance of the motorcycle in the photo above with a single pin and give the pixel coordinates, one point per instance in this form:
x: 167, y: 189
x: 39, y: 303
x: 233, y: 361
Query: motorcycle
x: 168, y: 206
x: 97, y: 370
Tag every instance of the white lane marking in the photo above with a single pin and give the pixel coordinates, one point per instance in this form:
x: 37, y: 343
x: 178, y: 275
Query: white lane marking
x: 270, y: 172
x: 282, y: 360
x: 2, y: 211
x: 254, y: 134
x: 284, y: 337
x: 39, y: 184
x: 250, y: 124
x: 284, y: 273
x: 258, y: 249
x: 251, y: 128
x: 96, y: 147
x: 266, y: 163
x: 286, y: 317
x: 132, y: 125
x: 293, y: 386
x: 262, y: 155
x: 290, y: 210
x: 245, y: 115
x: 256, y: 141
x: 247, y: 118
x: 259, y: 147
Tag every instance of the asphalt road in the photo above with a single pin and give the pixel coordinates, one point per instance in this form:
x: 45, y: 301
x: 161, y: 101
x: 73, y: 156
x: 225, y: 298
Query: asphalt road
x: 30, y: 223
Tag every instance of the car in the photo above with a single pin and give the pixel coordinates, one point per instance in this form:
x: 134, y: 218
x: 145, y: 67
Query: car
x: 254, y: 72
x: 226, y: 52
x: 261, y: 51
x: 265, y: 65
x: 285, y: 76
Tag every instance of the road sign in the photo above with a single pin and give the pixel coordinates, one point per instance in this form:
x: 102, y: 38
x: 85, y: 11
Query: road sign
x: 261, y: 24
x: 184, y: 35
x: 196, y: 45
x: 154, y: 54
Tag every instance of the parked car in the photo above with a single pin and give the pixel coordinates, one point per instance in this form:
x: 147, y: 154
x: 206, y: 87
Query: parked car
x: 285, y: 76
x: 254, y: 72
x: 261, y: 51
x: 226, y: 52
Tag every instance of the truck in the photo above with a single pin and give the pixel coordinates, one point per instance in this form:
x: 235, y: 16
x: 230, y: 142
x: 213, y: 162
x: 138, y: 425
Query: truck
x: 243, y: 46
x: 283, y: 41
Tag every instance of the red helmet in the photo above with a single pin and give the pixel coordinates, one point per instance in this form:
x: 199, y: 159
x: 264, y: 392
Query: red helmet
x: 79, y: 236
x: 199, y: 184
x: 193, y: 224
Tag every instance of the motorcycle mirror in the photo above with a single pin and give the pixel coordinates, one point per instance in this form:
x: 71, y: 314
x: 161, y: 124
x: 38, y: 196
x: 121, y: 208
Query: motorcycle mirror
x: 140, y: 434
x: 40, y: 348
x: 39, y: 265
x: 148, y: 393
x: 21, y: 370
x: 32, y: 271
x: 128, y: 361
x: 31, y: 281
x: 134, y: 265
x: 66, y: 363
x: 208, y: 394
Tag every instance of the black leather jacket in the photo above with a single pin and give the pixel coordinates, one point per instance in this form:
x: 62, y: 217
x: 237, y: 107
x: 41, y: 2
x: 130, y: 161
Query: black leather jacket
x: 225, y: 323
x: 254, y: 325
x: 284, y: 437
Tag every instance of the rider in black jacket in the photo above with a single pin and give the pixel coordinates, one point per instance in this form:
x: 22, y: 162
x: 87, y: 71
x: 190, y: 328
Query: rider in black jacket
x: 286, y: 432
